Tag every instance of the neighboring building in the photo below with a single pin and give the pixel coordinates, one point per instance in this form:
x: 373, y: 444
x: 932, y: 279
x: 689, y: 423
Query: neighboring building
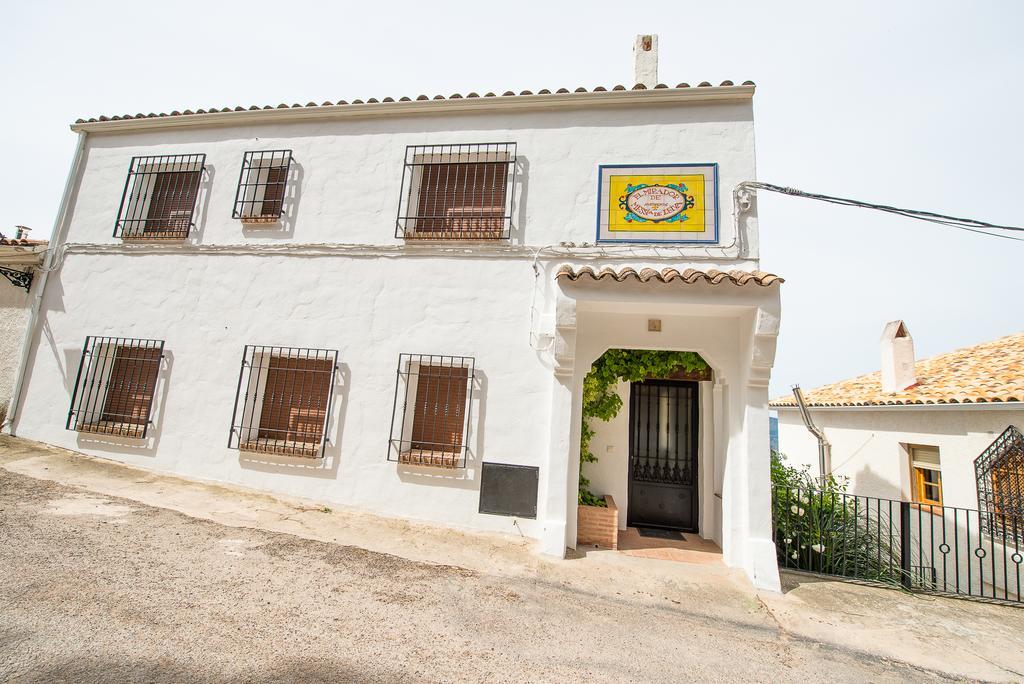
x: 369, y: 303
x: 943, y: 434
x: 20, y: 257
x: 916, y: 429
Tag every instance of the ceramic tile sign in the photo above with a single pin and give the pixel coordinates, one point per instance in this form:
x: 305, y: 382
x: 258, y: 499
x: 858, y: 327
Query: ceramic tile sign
x: 657, y: 203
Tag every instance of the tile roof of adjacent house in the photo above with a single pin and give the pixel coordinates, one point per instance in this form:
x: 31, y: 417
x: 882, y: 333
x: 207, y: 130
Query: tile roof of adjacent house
x: 454, y: 96
x: 991, y: 372
x: 22, y: 242
x: 667, y: 275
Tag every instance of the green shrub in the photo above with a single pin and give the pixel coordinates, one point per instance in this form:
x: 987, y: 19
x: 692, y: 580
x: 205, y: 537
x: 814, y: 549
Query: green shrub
x: 821, y: 528
x: 600, y: 400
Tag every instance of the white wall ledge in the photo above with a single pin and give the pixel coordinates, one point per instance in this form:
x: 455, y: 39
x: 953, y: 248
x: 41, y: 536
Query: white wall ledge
x: 674, y: 255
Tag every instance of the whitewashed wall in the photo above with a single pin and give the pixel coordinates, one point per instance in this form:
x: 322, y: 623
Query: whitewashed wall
x: 14, y: 309
x: 349, y: 173
x: 370, y: 310
x: 868, y: 446
x: 371, y: 297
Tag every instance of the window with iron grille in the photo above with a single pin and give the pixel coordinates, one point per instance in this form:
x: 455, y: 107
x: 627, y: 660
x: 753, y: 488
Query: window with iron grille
x: 457, y: 192
x: 1000, y: 477
x: 262, y: 184
x: 430, y: 418
x: 159, y: 197
x: 115, y: 386
x: 283, y: 400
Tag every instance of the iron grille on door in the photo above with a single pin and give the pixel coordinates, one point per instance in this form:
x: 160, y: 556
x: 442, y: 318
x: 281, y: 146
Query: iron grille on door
x: 115, y: 386
x: 457, y: 192
x: 262, y: 184
x: 434, y: 394
x: 159, y: 197
x: 663, y: 432
x: 283, y: 400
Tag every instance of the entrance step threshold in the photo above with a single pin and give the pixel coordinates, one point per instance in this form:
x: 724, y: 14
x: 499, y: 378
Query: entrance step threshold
x: 658, y: 533
x: 690, y: 549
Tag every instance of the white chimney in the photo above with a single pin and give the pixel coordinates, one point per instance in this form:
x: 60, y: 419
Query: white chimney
x: 897, y: 358
x: 645, y: 60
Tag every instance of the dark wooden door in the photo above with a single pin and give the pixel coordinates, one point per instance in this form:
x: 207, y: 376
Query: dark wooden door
x: 663, y: 417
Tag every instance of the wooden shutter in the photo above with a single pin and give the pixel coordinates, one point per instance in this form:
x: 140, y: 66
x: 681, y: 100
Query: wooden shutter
x: 440, y: 411
x: 295, y: 399
x: 131, y: 384
x: 171, y: 203
x: 465, y: 200
x: 1007, y: 486
x: 273, y: 191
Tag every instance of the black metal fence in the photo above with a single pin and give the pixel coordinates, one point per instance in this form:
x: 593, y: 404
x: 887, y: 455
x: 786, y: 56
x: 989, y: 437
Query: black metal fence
x: 920, y: 547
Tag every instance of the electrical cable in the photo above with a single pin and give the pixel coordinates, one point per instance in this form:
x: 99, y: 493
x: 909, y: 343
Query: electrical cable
x: 971, y: 225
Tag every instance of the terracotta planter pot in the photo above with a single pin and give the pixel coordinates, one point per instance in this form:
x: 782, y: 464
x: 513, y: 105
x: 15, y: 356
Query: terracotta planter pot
x: 598, y: 526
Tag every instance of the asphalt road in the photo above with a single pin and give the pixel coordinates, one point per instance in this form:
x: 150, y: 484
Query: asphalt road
x: 96, y: 588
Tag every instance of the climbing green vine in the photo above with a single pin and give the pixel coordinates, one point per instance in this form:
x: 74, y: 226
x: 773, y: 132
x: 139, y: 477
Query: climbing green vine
x: 601, y: 401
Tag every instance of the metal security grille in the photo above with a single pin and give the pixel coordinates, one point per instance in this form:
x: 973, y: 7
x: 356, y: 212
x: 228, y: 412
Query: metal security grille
x: 434, y: 394
x: 999, y: 471
x: 262, y: 184
x: 115, y: 386
x: 159, y: 197
x: 457, y: 192
x: 664, y: 432
x: 283, y: 400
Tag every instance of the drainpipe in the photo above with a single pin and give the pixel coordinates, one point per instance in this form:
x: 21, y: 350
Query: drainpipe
x: 49, y: 262
x: 824, y: 447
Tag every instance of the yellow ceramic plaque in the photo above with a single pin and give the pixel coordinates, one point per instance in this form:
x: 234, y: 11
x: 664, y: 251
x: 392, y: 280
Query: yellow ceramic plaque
x: 663, y: 203
x: 656, y: 203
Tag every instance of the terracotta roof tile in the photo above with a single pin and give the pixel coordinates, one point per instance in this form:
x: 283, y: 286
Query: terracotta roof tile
x: 454, y: 96
x: 985, y: 373
x: 22, y: 242
x: 668, y: 275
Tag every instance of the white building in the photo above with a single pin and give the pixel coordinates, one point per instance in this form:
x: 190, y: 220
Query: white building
x: 914, y: 429
x: 234, y: 290
x: 943, y: 433
x: 20, y: 257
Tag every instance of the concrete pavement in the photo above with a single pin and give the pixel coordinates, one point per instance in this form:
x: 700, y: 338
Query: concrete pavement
x: 114, y: 571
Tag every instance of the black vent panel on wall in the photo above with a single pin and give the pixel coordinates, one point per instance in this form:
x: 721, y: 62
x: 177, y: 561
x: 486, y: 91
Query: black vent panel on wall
x: 509, y: 489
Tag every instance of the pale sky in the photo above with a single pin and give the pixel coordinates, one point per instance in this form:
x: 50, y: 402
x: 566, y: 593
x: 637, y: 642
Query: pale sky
x: 916, y: 104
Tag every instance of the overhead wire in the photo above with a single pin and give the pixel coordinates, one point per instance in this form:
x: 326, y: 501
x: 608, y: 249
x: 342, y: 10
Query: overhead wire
x: 971, y: 225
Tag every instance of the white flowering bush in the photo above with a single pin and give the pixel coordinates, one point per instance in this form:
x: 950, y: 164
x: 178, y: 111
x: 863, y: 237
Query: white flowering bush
x: 819, y: 527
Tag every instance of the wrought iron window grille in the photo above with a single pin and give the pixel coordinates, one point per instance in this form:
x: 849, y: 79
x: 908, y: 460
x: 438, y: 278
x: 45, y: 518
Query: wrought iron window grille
x: 457, y: 192
x: 283, y: 401
x: 430, y: 416
x: 18, y: 278
x: 115, y: 386
x: 999, y: 472
x: 159, y: 198
x: 262, y: 186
